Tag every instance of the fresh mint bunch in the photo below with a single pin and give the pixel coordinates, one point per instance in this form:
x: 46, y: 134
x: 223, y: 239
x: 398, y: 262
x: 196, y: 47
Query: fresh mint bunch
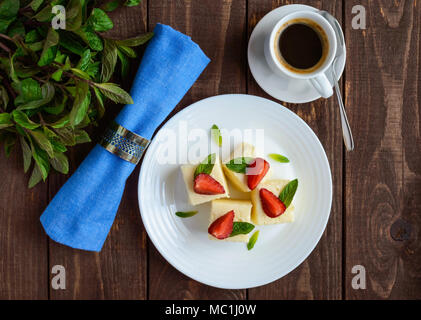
x: 53, y: 83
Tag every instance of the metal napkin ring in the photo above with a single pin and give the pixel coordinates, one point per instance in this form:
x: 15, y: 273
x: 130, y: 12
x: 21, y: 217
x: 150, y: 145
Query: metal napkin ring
x: 124, y: 143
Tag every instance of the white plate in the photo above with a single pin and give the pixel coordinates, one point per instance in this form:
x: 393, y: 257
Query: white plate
x: 280, y: 248
x: 282, y: 88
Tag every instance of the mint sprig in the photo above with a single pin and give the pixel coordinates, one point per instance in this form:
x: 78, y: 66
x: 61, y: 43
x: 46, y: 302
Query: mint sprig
x: 54, y: 83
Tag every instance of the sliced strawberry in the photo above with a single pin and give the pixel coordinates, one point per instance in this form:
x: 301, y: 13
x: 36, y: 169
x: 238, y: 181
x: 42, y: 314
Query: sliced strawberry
x: 272, y: 205
x: 205, y: 184
x: 256, y: 172
x: 221, y: 228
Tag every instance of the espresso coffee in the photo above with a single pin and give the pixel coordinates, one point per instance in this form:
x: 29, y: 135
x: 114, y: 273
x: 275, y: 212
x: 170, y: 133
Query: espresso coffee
x: 301, y: 45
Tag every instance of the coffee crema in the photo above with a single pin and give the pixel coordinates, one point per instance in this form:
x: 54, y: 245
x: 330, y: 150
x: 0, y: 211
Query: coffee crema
x: 301, y: 45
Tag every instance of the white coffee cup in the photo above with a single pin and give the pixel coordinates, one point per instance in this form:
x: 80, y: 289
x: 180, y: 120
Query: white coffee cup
x: 317, y: 75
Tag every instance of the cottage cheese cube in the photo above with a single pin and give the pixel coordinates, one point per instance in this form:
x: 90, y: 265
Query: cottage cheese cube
x: 188, y: 176
x: 258, y: 216
x: 242, y: 213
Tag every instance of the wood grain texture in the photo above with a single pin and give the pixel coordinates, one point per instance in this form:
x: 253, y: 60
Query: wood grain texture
x: 23, y: 244
x: 383, y: 177
x: 119, y: 270
x: 219, y: 27
x: 320, y: 275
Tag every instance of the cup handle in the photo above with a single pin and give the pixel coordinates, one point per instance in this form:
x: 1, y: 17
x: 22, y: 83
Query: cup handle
x: 322, y: 85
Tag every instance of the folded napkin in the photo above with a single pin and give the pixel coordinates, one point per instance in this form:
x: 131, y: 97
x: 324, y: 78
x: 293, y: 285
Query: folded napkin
x: 82, y: 212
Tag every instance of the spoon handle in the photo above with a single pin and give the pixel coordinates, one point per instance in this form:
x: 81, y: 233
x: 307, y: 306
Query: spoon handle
x: 346, y: 129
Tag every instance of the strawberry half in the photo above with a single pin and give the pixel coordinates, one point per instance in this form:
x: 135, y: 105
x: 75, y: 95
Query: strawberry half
x: 272, y: 205
x: 205, y: 184
x: 221, y: 228
x: 256, y: 172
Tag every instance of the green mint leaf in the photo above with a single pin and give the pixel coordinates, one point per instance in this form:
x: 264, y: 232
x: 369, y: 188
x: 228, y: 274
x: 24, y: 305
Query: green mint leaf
x: 4, y: 97
x: 5, y: 120
x: 74, y: 15
x: 114, y: 92
x: 30, y: 90
x: 91, y: 38
x: 81, y: 136
x: 110, y: 6
x: 42, y: 141
x: 35, y: 4
x: 132, y: 3
x: 26, y: 154
x: 85, y: 60
x: 60, y: 163
x: 127, y: 51
x: 241, y: 228
x: 109, y: 60
x: 124, y: 63
x: 99, y: 20
x: 206, y: 166
x: 35, y: 178
x: 216, y: 135
x: 239, y: 165
x: 187, y: 214
x: 50, y: 48
x: 137, y: 41
x: 22, y: 119
x: 279, y: 158
x: 41, y: 159
x: 45, y: 14
x: 80, y: 104
x: 288, y: 192
x: 47, y: 91
x: 32, y: 36
x: 252, y: 241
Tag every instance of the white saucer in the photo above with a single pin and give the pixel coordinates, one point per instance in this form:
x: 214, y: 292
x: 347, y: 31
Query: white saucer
x: 282, y: 88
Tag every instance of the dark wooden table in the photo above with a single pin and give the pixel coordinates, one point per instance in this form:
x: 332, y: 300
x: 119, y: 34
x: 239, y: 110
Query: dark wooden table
x: 376, y: 213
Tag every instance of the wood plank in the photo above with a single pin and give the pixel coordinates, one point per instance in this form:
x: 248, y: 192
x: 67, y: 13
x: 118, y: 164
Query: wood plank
x: 320, y: 275
x: 23, y: 244
x: 219, y: 27
x: 383, y: 176
x: 119, y: 270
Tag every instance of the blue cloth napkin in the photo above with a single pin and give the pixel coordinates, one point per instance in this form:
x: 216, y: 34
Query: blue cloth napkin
x: 82, y: 212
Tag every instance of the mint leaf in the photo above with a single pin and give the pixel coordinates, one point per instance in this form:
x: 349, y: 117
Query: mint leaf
x: 216, y: 135
x: 206, y: 166
x: 114, y: 92
x: 5, y: 120
x: 239, y: 165
x: 279, y: 158
x: 288, y: 192
x: 99, y: 20
x: 241, y: 228
x: 109, y: 60
x: 22, y: 119
x: 132, y: 3
x: 187, y: 214
x: 50, y: 48
x: 134, y: 42
x: 252, y: 241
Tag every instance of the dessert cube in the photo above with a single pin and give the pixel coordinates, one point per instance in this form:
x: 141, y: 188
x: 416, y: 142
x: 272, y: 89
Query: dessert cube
x: 239, y: 180
x: 188, y: 176
x: 242, y: 213
x: 258, y: 216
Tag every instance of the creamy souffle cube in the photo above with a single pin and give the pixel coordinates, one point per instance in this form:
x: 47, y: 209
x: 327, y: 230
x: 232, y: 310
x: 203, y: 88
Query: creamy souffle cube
x: 242, y: 213
x: 258, y: 215
x: 239, y: 180
x: 188, y: 172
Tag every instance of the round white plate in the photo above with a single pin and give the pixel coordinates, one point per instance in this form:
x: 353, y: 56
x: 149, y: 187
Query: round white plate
x: 282, y: 88
x: 184, y: 242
